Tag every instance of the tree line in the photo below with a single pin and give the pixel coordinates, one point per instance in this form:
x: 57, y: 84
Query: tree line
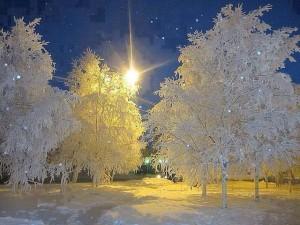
x: 229, y: 107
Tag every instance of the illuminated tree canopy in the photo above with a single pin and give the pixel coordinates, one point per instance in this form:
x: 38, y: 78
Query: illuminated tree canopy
x: 229, y: 102
x: 46, y: 131
x: 34, y: 117
x: 108, y: 142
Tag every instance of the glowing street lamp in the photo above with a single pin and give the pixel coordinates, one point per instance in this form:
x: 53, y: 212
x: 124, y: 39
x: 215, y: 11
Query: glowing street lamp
x: 131, y: 77
x: 147, y: 160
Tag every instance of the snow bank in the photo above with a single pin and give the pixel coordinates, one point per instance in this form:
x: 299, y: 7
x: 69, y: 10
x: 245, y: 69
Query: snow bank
x: 18, y: 221
x: 150, y: 201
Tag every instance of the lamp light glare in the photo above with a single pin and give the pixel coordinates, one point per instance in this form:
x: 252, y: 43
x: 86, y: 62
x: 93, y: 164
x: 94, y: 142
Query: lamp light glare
x: 131, y: 77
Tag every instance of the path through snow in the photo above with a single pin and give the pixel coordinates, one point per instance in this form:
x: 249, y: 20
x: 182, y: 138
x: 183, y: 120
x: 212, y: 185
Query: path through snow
x: 150, y: 201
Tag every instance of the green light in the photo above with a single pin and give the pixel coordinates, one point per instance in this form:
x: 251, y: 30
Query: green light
x: 147, y: 160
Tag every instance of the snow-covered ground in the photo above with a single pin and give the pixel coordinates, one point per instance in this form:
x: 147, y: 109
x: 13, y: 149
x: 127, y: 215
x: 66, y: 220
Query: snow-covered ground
x: 149, y: 201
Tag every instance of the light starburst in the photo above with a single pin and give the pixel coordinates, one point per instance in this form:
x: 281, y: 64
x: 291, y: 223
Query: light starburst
x: 131, y: 77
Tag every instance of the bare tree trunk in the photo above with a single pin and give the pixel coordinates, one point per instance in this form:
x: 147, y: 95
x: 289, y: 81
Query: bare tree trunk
x: 112, y: 175
x: 63, y: 182
x: 256, y: 181
x: 277, y: 180
x: 267, y: 181
x: 216, y: 174
x: 204, y: 182
x: 204, y: 192
x: 290, y: 180
x: 14, y: 187
x: 95, y: 180
x: 224, y: 183
x: 75, y: 175
x: 256, y: 178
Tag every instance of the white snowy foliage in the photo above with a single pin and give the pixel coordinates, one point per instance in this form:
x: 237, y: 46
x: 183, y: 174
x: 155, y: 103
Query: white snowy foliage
x: 26, y: 67
x: 229, y: 99
x: 34, y: 117
x: 34, y: 135
x: 108, y: 142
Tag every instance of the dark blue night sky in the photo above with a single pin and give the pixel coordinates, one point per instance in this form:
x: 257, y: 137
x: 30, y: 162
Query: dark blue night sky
x: 159, y: 27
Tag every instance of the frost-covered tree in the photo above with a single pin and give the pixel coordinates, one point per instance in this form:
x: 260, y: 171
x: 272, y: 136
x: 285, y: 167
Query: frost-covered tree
x: 108, y: 142
x: 229, y: 100
x: 34, y: 118
x: 273, y: 117
x: 182, y: 149
x: 26, y: 68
